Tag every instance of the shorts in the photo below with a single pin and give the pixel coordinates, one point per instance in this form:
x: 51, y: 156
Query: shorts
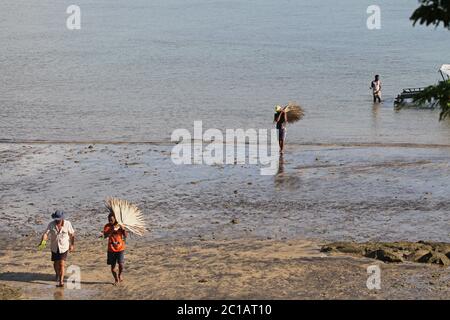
x: 115, y: 257
x: 56, y: 256
x: 281, y: 134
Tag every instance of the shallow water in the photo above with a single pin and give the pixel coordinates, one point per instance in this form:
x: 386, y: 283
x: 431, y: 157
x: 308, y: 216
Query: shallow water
x: 137, y: 70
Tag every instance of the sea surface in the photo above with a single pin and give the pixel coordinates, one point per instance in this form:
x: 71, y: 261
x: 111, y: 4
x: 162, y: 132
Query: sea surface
x: 139, y: 69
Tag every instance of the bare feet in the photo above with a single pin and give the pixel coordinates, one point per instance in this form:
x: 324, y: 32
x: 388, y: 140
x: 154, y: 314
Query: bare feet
x: 60, y: 285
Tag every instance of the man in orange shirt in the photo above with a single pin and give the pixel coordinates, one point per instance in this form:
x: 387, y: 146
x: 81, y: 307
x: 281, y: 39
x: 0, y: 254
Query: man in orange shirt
x: 116, y: 235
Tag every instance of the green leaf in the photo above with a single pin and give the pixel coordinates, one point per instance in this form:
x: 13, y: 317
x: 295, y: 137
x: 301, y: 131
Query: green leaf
x: 436, y: 95
x: 432, y: 12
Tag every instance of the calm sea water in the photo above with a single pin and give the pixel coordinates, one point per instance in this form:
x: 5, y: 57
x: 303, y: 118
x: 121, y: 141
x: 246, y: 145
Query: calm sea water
x: 139, y: 69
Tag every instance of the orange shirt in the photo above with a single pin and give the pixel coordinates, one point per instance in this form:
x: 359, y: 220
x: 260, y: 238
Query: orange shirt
x: 116, y: 240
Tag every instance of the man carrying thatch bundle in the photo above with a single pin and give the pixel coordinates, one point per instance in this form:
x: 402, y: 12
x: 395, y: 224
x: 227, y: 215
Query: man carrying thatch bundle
x: 62, y: 240
x: 123, y: 217
x: 289, y: 114
x: 116, y: 235
x: 280, y: 118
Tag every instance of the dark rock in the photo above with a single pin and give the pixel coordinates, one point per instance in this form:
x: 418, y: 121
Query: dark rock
x: 422, y: 251
x: 425, y: 258
x: 418, y: 255
x: 344, y: 247
x: 384, y: 255
x: 435, y: 258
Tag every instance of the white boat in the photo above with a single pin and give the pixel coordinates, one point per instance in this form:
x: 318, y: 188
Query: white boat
x: 445, y: 72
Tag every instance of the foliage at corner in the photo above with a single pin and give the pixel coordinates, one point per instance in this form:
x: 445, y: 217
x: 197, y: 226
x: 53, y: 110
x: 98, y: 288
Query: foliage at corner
x: 435, y: 12
x: 432, y: 12
x: 437, y: 95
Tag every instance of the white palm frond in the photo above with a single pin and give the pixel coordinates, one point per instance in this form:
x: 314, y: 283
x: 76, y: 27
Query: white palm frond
x: 127, y: 214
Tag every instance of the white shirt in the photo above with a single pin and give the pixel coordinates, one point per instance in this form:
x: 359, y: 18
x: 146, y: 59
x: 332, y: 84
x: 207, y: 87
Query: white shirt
x: 59, y: 239
x: 376, y: 86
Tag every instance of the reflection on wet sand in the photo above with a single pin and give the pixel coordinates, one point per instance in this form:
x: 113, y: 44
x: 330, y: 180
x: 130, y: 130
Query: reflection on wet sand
x: 58, y: 294
x: 286, y: 180
x: 280, y: 165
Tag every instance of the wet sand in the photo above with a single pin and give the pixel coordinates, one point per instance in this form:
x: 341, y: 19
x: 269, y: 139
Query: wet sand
x: 235, y: 269
x: 384, y: 193
x: 225, y: 231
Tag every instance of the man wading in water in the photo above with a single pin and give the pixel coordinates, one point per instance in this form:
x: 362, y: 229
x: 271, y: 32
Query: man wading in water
x: 376, y: 89
x: 280, y: 118
x: 62, y: 239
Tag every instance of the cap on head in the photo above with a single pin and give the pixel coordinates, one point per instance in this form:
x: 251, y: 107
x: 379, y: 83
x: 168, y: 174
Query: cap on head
x: 58, y: 215
x: 277, y: 108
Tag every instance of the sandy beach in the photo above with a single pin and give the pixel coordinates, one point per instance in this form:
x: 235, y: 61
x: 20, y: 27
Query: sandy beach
x: 225, y: 231
x: 237, y: 269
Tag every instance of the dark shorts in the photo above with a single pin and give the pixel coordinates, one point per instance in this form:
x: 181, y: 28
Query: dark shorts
x: 281, y: 134
x: 115, y: 257
x: 56, y: 256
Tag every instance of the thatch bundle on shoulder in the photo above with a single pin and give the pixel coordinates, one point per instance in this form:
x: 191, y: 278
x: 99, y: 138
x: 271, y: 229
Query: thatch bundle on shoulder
x: 127, y: 214
x: 294, y: 112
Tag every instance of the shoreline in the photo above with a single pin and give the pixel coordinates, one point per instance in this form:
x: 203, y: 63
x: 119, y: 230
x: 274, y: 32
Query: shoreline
x: 173, y: 143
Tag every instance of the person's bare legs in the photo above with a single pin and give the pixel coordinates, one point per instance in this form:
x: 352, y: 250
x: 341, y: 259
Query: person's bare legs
x: 120, y: 272
x: 114, y: 273
x: 55, y: 266
x: 61, y: 265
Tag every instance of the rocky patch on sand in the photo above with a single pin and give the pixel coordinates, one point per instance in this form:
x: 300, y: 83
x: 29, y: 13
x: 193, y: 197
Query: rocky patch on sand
x: 420, y: 252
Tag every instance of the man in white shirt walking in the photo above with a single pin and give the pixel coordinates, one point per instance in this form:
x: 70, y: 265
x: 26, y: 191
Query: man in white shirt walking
x: 62, y: 239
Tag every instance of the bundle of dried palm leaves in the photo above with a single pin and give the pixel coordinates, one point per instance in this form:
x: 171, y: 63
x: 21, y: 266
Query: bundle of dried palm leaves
x: 127, y: 215
x: 294, y: 112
